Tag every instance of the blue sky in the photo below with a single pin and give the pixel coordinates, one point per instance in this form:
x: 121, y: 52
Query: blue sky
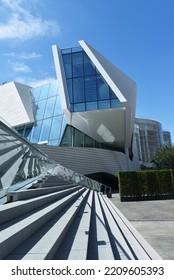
x: 135, y: 35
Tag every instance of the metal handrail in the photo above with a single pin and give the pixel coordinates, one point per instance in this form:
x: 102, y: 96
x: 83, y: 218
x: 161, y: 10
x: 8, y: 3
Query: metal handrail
x: 9, y: 129
x: 46, y: 166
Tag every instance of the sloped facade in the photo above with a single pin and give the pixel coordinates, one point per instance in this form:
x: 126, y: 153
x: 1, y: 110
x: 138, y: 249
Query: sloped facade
x: 87, y: 112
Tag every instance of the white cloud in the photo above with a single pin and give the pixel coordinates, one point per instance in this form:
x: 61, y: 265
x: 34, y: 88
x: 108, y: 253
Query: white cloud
x: 23, y: 55
x: 23, y: 25
x: 20, y: 67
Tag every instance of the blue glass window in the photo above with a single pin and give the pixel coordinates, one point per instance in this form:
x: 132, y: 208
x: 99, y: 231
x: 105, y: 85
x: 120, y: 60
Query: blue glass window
x: 89, y: 68
x: 78, y: 86
x: 70, y: 90
x: 65, y: 51
x: 36, y: 93
x: 54, y: 142
x: 45, y: 131
x: 50, y: 119
x: 76, y: 49
x: 77, y: 64
x: 44, y: 91
x: 53, y: 90
x: 86, y: 86
x: 91, y: 106
x: 67, y: 65
x: 90, y: 89
x: 115, y: 103
x: 103, y: 89
x: 36, y: 132
x: 50, y: 107
x: 56, y: 128
x: 40, y: 109
x: 79, y: 107
x: 58, y: 107
x: 104, y: 104
x: 112, y: 94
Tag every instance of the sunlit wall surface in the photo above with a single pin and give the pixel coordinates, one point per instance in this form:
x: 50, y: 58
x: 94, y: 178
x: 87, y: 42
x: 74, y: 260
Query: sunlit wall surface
x: 50, y: 120
x: 150, y: 138
x: 86, y: 87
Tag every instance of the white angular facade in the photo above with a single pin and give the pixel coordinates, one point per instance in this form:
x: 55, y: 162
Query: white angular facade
x: 15, y: 104
x: 113, y: 126
x: 87, y: 114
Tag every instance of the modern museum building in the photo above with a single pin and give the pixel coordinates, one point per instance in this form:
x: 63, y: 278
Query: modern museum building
x: 84, y: 119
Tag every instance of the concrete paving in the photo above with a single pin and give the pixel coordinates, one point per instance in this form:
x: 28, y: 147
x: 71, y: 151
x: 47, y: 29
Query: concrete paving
x: 154, y: 220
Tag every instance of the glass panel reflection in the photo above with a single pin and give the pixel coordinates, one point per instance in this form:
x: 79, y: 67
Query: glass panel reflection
x: 77, y: 64
x: 78, y: 85
x: 40, y: 109
x: 79, y: 107
x: 58, y: 107
x: 103, y: 89
x: 90, y: 89
x: 50, y: 107
x: 50, y: 119
x: 86, y: 84
x: 45, y: 129
x: 44, y: 91
x: 78, y: 138
x: 53, y: 91
x: 36, y: 93
x: 56, y: 128
x: 89, y: 68
x: 67, y: 65
x: 104, y: 104
x: 91, y: 106
x: 36, y: 132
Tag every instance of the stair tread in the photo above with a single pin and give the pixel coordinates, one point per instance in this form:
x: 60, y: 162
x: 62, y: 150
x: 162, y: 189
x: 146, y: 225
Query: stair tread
x: 76, y: 245
x: 42, y: 249
x: 11, y: 211
x: 30, y: 224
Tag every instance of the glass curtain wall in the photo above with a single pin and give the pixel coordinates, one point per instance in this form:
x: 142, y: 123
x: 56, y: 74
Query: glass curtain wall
x: 50, y: 120
x: 86, y: 87
x: 75, y: 138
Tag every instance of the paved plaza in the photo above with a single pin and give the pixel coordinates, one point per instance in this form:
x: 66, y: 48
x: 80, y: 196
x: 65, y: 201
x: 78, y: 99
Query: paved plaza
x: 154, y: 220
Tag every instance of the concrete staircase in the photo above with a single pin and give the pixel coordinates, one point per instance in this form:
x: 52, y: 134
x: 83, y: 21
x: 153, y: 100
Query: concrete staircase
x: 58, y: 220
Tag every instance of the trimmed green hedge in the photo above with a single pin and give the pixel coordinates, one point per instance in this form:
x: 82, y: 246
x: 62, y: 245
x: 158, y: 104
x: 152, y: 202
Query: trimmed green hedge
x: 150, y: 184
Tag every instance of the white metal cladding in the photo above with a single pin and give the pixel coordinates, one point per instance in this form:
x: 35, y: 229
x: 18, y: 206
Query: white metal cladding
x: 58, y: 61
x: 90, y: 160
x: 118, y: 122
x: 104, y: 126
x: 123, y: 86
x: 15, y: 104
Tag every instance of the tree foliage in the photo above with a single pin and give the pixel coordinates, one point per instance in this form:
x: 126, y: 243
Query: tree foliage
x: 164, y: 157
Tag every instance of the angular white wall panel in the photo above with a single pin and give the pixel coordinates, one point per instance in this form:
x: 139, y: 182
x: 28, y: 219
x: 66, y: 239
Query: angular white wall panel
x: 16, y: 104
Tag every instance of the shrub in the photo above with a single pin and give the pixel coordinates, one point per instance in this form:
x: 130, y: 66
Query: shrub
x: 150, y: 183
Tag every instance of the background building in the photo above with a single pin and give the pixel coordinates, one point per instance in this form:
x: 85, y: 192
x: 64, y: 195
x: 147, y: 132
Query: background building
x: 167, y: 137
x: 149, y: 137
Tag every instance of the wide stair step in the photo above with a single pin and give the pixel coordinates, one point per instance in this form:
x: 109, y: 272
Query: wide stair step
x: 68, y: 224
